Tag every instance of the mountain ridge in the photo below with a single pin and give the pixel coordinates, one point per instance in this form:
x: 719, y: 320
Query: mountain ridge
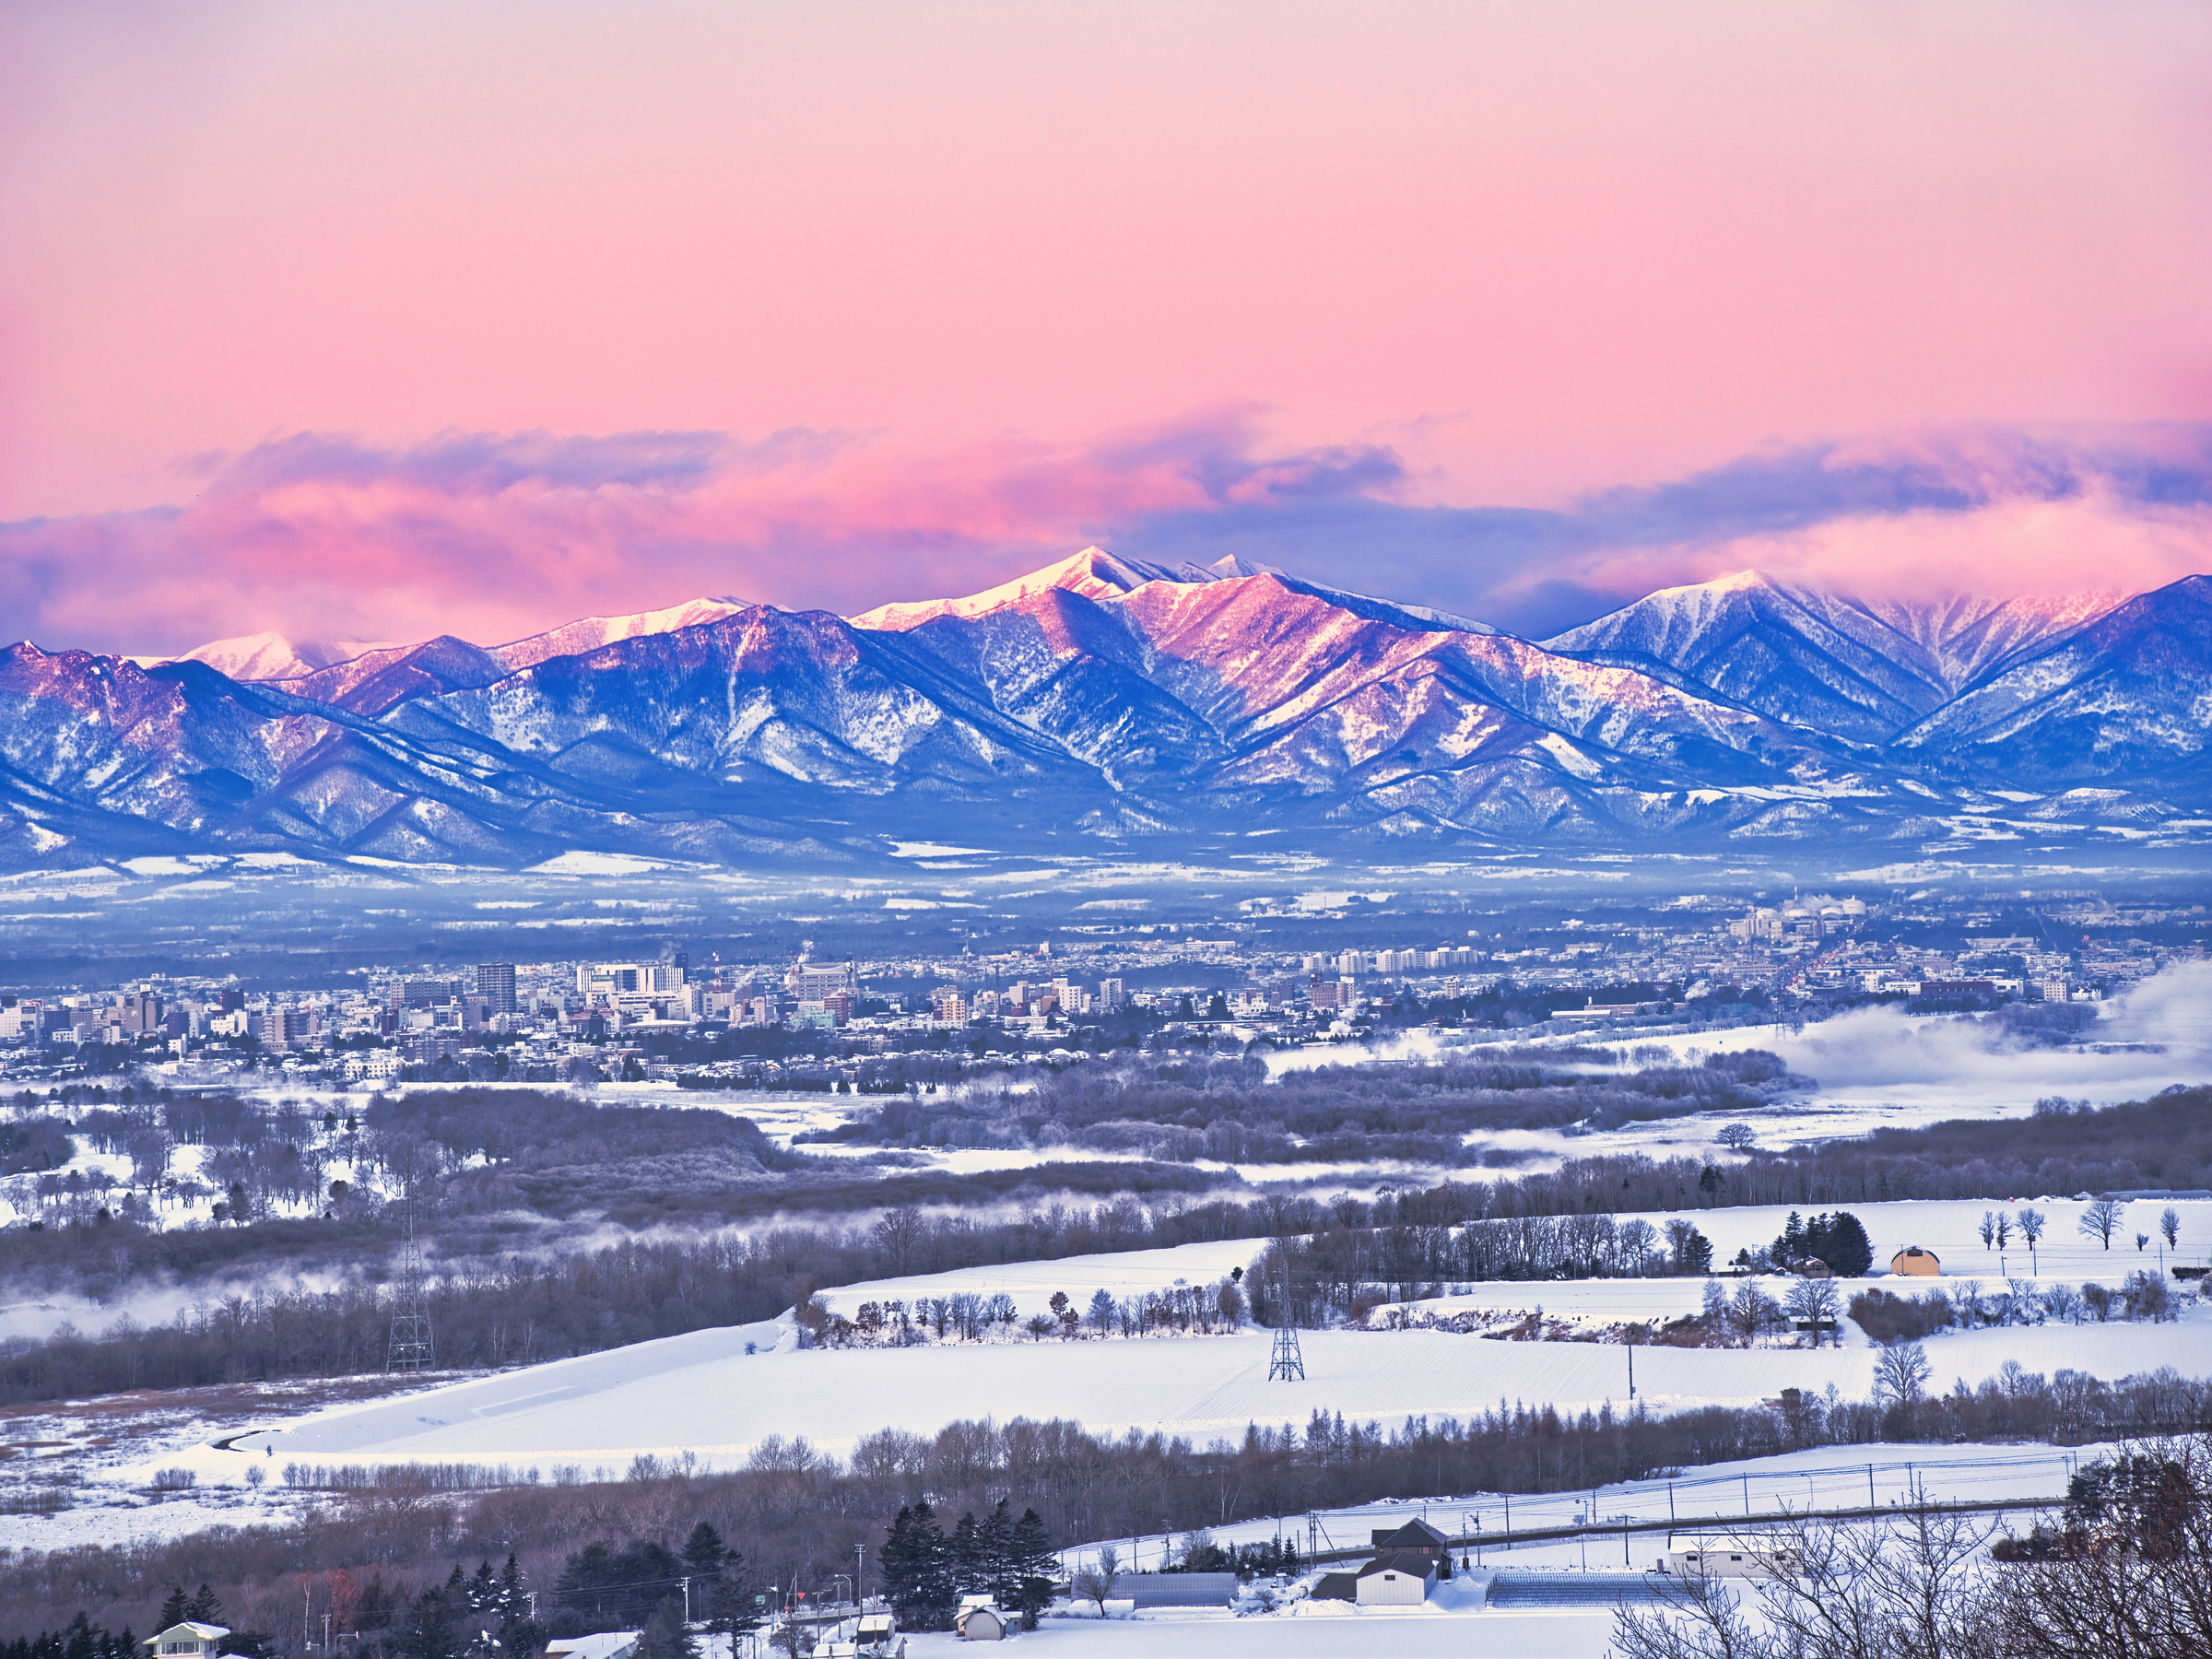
x: 1117, y: 697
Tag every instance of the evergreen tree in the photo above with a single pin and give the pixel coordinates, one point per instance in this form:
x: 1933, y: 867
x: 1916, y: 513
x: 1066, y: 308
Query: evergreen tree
x: 203, y: 1608
x: 666, y: 1636
x: 519, y: 1633
x: 482, y: 1593
x: 703, y: 1553
x: 1792, y: 1247
x: 602, y: 1588
x: 730, y: 1603
x: 995, y: 1554
x: 436, y: 1625
x: 1032, y: 1565
x: 1847, y: 1249
x: 172, y: 1610
x: 916, y: 1572
x: 971, y: 1573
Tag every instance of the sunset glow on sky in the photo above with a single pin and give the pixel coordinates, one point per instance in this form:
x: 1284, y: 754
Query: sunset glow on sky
x: 377, y: 321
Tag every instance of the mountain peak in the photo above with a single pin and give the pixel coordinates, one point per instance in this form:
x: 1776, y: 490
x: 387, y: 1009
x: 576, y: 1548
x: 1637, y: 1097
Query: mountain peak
x: 589, y: 633
x: 1094, y: 572
x: 268, y: 656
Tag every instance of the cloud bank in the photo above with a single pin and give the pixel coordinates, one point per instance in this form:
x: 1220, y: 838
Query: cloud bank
x: 2156, y: 1035
x: 494, y: 536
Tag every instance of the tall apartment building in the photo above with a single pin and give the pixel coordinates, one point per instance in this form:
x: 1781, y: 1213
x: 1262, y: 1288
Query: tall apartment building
x: 495, y: 984
x: 817, y: 982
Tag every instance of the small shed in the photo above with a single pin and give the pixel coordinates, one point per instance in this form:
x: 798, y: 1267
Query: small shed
x: 1814, y: 1267
x: 982, y: 1623
x: 1396, y: 1578
x: 1914, y: 1259
x: 876, y: 1633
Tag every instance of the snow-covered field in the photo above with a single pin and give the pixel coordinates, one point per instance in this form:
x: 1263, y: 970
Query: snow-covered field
x: 702, y: 1392
x: 1434, y: 1632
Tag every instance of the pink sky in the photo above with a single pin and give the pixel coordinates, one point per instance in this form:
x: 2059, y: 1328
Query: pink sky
x: 971, y: 260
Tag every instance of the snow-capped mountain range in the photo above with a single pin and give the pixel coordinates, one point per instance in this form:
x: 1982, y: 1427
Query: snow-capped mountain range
x: 1115, y: 697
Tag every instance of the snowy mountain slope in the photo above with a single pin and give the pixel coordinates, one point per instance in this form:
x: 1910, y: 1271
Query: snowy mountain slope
x: 271, y: 656
x: 115, y: 760
x: 266, y: 656
x: 1259, y: 688
x: 375, y: 681
x: 1094, y: 573
x: 1107, y: 695
x: 589, y: 633
x: 803, y: 696
x: 2126, y: 699
x: 1857, y: 669
x: 1967, y: 638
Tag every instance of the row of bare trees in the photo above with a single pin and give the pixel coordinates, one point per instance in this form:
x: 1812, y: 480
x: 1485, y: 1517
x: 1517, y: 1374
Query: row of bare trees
x: 2125, y: 1573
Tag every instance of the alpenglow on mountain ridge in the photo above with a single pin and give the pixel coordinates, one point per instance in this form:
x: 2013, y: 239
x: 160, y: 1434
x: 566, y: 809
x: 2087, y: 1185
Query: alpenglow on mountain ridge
x: 1113, y: 699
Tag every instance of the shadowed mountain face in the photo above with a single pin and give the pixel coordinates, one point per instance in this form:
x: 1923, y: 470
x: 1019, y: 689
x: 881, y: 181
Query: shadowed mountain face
x: 1108, y: 697
x: 2126, y: 698
x: 1857, y: 669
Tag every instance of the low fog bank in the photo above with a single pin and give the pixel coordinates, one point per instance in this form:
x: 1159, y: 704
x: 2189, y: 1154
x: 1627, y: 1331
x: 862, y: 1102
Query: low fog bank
x: 2157, y: 1035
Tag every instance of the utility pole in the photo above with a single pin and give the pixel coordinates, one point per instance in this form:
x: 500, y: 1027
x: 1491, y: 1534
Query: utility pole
x: 685, y: 1582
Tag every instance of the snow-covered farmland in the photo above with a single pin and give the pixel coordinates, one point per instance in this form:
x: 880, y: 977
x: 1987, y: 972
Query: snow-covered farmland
x: 704, y: 1394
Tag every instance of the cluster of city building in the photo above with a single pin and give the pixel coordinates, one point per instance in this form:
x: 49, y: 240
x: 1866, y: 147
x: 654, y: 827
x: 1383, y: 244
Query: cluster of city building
x: 572, y: 1019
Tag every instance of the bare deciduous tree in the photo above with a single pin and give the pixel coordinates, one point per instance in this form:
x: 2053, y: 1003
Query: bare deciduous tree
x: 1814, y: 1302
x: 1095, y: 1583
x: 1901, y: 1586
x: 2101, y: 1220
x: 1900, y: 1373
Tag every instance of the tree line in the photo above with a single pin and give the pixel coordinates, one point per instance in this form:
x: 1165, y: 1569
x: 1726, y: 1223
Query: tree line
x: 798, y: 1516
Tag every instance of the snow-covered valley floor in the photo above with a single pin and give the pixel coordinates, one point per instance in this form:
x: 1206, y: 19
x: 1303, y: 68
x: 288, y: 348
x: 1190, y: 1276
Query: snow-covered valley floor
x: 703, y: 1393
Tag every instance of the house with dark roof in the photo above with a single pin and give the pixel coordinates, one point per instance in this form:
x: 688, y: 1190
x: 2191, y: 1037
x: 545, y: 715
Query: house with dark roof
x: 1421, y: 1537
x: 1408, y: 1562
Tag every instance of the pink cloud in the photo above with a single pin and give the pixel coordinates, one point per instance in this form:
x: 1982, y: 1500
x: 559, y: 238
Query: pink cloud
x: 492, y: 537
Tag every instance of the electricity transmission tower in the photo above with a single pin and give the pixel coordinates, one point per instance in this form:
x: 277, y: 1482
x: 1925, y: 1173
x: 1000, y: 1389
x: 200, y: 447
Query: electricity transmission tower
x: 1287, y: 1362
x: 411, y: 1348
